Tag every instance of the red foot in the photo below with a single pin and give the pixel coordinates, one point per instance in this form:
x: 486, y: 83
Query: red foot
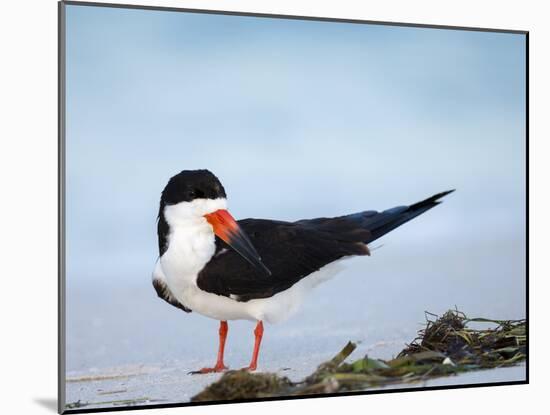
x: 216, y: 369
x: 258, y: 333
x: 220, y: 367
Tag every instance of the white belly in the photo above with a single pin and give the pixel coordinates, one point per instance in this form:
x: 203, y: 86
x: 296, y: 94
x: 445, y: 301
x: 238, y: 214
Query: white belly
x: 191, y: 246
x: 272, y: 310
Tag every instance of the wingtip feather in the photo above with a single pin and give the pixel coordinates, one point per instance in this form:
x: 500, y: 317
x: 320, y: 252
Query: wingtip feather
x: 443, y: 194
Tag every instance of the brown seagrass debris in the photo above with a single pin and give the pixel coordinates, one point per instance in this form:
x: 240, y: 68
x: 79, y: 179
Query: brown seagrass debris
x: 447, y: 345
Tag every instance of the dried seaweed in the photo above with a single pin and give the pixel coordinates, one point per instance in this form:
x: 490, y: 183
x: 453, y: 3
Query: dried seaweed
x: 446, y: 346
x: 485, y: 348
x: 240, y: 384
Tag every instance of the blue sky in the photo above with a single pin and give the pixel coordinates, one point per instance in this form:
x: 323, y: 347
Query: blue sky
x: 298, y: 119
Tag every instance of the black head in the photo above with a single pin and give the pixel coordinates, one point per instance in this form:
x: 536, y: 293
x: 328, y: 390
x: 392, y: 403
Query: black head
x: 198, y: 195
x: 189, y: 185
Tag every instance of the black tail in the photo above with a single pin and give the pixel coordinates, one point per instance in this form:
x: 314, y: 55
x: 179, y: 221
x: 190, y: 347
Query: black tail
x: 380, y: 223
x: 369, y: 225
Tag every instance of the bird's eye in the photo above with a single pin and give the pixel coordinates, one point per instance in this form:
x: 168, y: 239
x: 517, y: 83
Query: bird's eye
x: 195, y: 194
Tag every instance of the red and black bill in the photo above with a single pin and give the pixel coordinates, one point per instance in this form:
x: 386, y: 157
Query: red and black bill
x: 229, y: 231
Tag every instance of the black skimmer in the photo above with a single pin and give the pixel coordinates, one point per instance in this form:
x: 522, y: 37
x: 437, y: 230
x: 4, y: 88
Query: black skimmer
x: 252, y: 269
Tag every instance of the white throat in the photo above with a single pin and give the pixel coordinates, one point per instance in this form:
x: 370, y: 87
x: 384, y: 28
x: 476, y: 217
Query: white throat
x: 191, y: 241
x: 183, y: 213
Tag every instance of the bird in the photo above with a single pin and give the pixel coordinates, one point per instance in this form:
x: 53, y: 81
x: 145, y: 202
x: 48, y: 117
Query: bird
x: 253, y: 269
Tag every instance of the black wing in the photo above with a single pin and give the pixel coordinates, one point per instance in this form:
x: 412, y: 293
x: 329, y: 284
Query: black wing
x: 293, y: 250
x: 290, y: 250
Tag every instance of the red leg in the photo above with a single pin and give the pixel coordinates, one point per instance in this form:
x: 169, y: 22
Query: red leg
x: 258, y: 333
x: 220, y: 367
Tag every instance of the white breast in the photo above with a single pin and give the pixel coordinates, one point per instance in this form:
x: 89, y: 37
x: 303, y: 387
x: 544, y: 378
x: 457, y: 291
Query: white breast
x: 190, y: 248
x: 181, y: 278
x: 191, y: 244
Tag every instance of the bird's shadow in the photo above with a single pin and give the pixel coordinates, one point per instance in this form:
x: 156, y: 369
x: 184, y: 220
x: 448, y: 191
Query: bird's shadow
x: 48, y: 403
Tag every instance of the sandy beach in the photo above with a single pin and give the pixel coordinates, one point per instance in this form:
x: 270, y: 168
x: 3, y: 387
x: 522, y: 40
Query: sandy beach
x: 126, y: 346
